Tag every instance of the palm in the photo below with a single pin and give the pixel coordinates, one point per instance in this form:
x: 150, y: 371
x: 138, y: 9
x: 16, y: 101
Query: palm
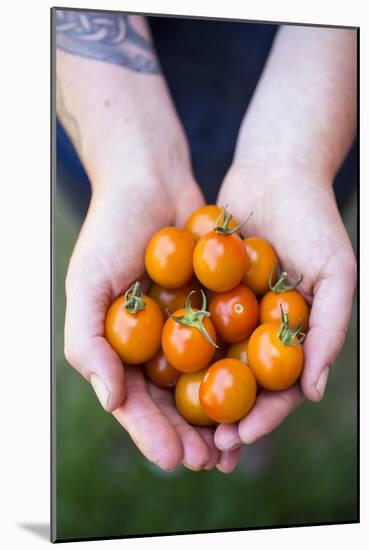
x: 108, y: 257
x: 303, y: 224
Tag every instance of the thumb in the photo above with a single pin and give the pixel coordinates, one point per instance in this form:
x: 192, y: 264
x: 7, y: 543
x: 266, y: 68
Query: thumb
x: 85, y: 346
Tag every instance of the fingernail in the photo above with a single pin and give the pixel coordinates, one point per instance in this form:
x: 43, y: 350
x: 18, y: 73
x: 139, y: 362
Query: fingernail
x: 101, y: 390
x: 322, y: 382
x: 191, y: 467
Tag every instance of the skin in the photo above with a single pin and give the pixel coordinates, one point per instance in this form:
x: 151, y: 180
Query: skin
x: 171, y: 299
x: 289, y: 149
x: 185, y: 347
x: 134, y: 336
x: 188, y: 400
x: 235, y: 313
x: 228, y: 391
x: 276, y: 366
x: 219, y: 261
x: 292, y: 302
x: 290, y: 146
x: 168, y: 257
x: 203, y: 220
x: 128, y: 138
x: 262, y: 260
x: 160, y: 372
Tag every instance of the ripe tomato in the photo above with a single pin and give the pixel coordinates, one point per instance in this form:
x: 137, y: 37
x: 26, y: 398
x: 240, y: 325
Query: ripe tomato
x: 262, y: 261
x: 171, y: 299
x: 203, y: 221
x: 228, y: 391
x: 239, y: 351
x: 168, y: 257
x: 275, y: 355
x: 220, y: 260
x: 188, y: 400
x: 189, y: 338
x: 291, y: 301
x: 160, y: 372
x: 234, y: 313
x: 133, y: 326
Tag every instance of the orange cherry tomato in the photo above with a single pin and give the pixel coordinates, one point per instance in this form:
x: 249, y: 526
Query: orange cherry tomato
x: 234, y: 313
x: 171, y: 299
x: 160, y: 372
x: 275, y: 355
x: 189, y: 338
x: 203, y: 221
x: 133, y: 326
x: 228, y: 391
x: 188, y: 400
x: 239, y: 351
x: 220, y: 260
x: 283, y: 295
x: 168, y: 257
x: 262, y: 261
x: 292, y: 302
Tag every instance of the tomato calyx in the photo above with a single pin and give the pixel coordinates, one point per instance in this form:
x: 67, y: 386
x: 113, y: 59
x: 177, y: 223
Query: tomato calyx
x: 288, y: 336
x: 194, y: 318
x: 133, y: 298
x: 223, y: 228
x: 280, y: 286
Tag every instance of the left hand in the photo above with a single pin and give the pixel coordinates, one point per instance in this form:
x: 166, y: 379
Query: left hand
x: 297, y: 213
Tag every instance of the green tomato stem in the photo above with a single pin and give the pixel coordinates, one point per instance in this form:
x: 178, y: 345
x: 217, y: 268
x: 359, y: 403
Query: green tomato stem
x: 133, y: 298
x: 280, y: 286
x: 195, y: 318
x: 287, y: 335
x: 224, y: 229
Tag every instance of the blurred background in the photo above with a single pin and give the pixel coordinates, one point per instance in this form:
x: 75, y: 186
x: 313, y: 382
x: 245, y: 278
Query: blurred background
x: 305, y: 472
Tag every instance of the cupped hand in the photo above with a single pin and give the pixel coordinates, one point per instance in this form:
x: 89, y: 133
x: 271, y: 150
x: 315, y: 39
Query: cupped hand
x: 297, y: 213
x: 108, y: 257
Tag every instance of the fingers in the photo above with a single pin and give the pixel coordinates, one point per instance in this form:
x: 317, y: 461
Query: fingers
x: 147, y: 425
x: 196, y: 454
x: 229, y: 460
x: 329, y: 318
x: 226, y: 437
x: 214, y: 454
x: 85, y: 347
x: 268, y: 413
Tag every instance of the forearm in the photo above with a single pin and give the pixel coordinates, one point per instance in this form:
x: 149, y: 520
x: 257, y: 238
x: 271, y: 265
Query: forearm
x: 112, y: 98
x: 303, y: 113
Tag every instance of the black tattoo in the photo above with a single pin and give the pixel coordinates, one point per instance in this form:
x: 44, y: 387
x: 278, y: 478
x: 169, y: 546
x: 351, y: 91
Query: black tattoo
x: 106, y: 37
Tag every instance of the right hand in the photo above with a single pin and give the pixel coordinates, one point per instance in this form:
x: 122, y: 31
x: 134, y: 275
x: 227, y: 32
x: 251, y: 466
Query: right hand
x: 108, y: 257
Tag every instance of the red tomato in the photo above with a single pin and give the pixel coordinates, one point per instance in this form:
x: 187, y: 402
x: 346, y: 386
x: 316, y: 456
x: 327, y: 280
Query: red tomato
x: 188, y: 401
x: 234, y: 313
x: 168, y: 257
x: 275, y: 355
x: 203, y: 220
x: 228, y: 391
x: 160, y: 372
x: 133, y: 326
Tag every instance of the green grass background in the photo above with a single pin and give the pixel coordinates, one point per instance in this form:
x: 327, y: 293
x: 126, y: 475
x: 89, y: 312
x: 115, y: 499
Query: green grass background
x: 305, y: 472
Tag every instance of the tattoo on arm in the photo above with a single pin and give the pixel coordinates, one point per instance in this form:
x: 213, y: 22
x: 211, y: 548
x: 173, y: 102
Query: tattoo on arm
x: 105, y: 37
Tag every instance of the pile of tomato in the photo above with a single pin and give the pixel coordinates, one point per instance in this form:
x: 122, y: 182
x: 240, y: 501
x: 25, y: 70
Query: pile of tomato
x: 219, y: 322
